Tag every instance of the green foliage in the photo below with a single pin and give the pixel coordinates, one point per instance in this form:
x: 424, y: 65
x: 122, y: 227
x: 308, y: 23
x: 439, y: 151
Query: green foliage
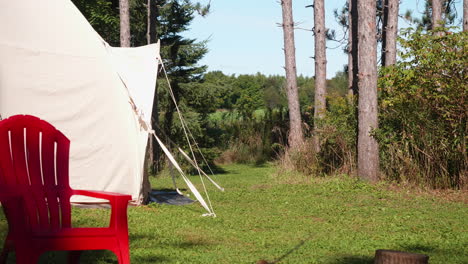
x: 338, y: 85
x: 250, y: 94
x: 256, y: 120
x: 423, y: 118
x: 249, y: 124
x: 306, y: 86
x: 223, y: 85
x: 248, y: 141
x: 274, y: 96
x: 337, y: 135
x: 103, y: 15
x: 204, y: 97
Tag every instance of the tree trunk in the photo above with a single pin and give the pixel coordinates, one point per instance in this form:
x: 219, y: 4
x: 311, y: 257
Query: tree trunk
x: 399, y: 257
x: 350, y: 64
x: 295, y: 136
x: 152, y: 37
x: 437, y: 14
x: 368, y: 151
x: 465, y: 15
x: 320, y: 66
x: 155, y: 151
x: 124, y: 9
x: 390, y: 32
x: 152, y: 20
x: 353, y: 48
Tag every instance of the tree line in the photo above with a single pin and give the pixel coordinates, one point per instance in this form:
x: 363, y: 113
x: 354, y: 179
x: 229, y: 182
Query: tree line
x: 368, y: 22
x: 398, y: 117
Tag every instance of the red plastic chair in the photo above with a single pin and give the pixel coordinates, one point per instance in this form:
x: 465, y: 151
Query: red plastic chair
x: 35, y: 196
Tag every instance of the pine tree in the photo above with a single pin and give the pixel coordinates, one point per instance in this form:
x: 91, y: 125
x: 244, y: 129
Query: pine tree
x: 124, y: 9
x: 368, y: 152
x: 295, y: 137
x: 390, y: 32
x: 352, y: 46
x: 465, y: 15
x: 320, y: 65
x: 445, y: 13
x: 436, y: 13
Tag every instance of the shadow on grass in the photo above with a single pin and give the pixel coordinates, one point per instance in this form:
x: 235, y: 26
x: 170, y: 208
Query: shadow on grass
x: 96, y: 256
x: 149, y: 259
x: 217, y: 169
x: 91, y: 257
x: 260, y: 164
x: 214, y: 168
x: 185, y: 244
x: 416, y: 248
x: 458, y: 252
x: 105, y: 256
x: 350, y: 259
x: 292, y: 250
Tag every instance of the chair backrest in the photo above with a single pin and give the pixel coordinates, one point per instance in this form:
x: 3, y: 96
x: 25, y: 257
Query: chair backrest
x: 34, y: 160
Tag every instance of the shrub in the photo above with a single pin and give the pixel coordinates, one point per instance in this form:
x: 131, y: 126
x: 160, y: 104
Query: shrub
x: 253, y: 140
x: 337, y: 134
x: 423, y: 116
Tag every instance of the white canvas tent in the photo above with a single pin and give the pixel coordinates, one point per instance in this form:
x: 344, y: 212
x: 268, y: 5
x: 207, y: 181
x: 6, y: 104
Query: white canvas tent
x: 55, y: 66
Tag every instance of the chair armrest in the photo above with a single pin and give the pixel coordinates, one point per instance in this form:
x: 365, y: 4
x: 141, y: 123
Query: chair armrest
x: 110, y: 196
x: 118, y: 202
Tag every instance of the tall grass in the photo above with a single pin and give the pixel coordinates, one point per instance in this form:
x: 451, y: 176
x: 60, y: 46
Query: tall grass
x: 336, y: 135
x: 250, y: 140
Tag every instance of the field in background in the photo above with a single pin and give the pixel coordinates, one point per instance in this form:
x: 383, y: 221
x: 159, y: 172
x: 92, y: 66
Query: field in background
x: 264, y: 216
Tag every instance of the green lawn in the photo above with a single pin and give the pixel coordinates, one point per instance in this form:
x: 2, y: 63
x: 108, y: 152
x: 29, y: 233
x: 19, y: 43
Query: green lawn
x: 327, y: 220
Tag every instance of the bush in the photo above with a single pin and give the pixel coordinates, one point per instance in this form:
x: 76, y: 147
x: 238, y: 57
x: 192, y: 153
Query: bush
x: 249, y: 142
x: 337, y: 134
x: 423, y: 116
x: 253, y: 140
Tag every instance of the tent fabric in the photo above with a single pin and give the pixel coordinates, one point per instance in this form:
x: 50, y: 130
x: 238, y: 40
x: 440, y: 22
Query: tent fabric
x: 55, y: 66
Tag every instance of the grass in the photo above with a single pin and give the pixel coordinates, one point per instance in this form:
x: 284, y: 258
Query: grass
x: 260, y: 217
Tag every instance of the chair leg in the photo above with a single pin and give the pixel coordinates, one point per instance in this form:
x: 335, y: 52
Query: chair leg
x: 4, y: 256
x: 123, y: 256
x: 74, y: 256
x: 7, y: 248
x: 22, y: 259
x: 29, y: 258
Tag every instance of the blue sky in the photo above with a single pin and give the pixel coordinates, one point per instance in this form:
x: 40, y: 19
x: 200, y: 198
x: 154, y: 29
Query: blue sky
x: 244, y: 37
